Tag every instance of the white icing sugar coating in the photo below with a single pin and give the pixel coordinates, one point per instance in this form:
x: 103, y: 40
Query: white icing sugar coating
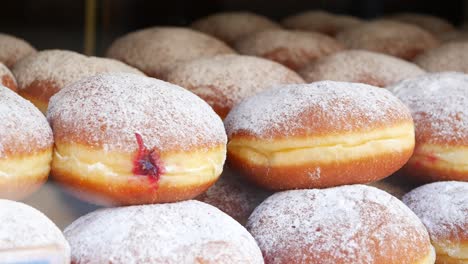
x: 336, y: 106
x: 230, y: 26
x: 227, y: 79
x: 106, y: 110
x: 25, y: 227
x: 23, y: 128
x: 184, y: 232
x: 63, y: 67
x: 13, y: 49
x: 361, y: 66
x: 443, y: 209
x: 155, y: 50
x: 439, y: 105
x: 448, y: 57
x: 349, y: 224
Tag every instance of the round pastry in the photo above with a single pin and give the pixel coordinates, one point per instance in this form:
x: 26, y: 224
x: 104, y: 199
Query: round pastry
x: 230, y: 26
x: 129, y: 139
x: 348, y: 224
x: 13, y: 49
x: 234, y: 196
x: 448, y: 57
x: 361, y: 66
x: 443, y: 209
x: 155, y: 50
x: 294, y: 49
x: 43, y: 74
x: 319, y: 135
x: 321, y: 21
x: 391, y: 37
x: 7, y: 79
x: 439, y: 104
x: 433, y: 24
x: 26, y: 144
x: 184, y: 232
x: 27, y: 236
x: 454, y: 36
x: 224, y: 80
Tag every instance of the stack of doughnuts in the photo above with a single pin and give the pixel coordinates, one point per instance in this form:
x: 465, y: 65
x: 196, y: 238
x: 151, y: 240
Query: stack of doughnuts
x: 452, y: 56
x: 44, y: 73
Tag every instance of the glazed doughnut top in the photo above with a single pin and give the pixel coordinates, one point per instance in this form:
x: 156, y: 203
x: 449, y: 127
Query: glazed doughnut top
x: 166, y: 233
x: 322, y: 107
x: 105, y: 111
x: 23, y: 128
x: 347, y: 224
x: 25, y: 227
x: 439, y: 104
x: 443, y: 208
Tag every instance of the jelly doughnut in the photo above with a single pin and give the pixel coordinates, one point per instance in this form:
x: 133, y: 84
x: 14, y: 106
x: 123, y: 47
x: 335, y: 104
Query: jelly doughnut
x: 13, y: 49
x: 390, y: 37
x: 224, y: 80
x: 26, y: 144
x: 234, y: 196
x: 28, y: 236
x: 183, y: 232
x: 230, y: 26
x: 7, y: 79
x: 433, y: 24
x: 347, y: 224
x: 321, y: 21
x: 155, y: 50
x: 319, y: 135
x: 361, y: 66
x: 43, y: 74
x: 294, y: 49
x: 443, y: 209
x: 129, y: 139
x: 448, y: 57
x: 439, y: 105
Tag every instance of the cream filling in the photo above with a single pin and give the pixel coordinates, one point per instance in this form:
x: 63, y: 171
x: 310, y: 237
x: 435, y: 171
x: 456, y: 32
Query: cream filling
x: 178, y: 168
x: 25, y: 166
x: 325, y: 149
x: 443, y: 156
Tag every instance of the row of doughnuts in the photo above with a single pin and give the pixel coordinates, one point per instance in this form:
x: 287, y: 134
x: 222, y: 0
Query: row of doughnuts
x: 346, y: 224
x: 101, y: 131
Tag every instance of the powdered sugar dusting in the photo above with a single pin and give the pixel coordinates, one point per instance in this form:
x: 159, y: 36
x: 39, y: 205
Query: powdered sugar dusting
x: 23, y: 128
x: 361, y: 66
x: 348, y: 224
x: 23, y: 227
x: 108, y: 109
x: 184, y: 232
x: 448, y: 57
x: 227, y: 79
x: 64, y: 67
x: 398, y: 39
x: 335, y: 106
x: 294, y: 49
x: 230, y: 26
x: 4, y: 71
x: 13, y: 49
x: 439, y: 105
x: 443, y: 208
x: 155, y: 50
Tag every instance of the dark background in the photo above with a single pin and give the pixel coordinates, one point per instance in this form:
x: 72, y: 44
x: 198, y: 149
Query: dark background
x: 60, y: 23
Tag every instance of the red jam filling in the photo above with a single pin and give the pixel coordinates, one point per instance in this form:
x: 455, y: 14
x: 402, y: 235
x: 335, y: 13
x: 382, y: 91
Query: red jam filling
x: 147, y: 162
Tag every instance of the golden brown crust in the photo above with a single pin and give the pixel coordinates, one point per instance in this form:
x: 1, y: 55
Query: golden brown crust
x: 14, y: 188
x: 423, y: 171
x: 40, y: 91
x: 364, y: 170
x: 138, y: 190
x: 8, y: 81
